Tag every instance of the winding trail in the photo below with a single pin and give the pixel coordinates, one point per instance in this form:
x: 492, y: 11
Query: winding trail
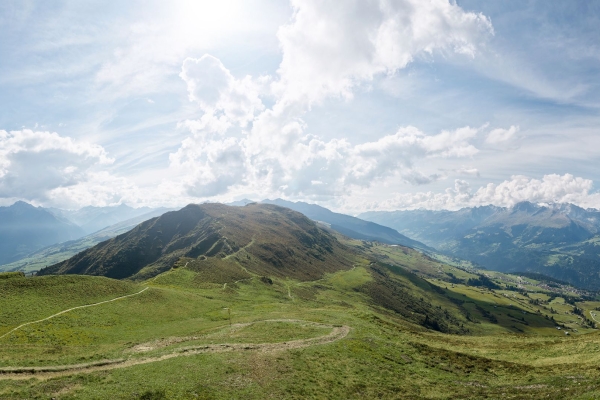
x: 240, y: 249
x: 592, y: 315
x: 21, y: 373
x: 71, y: 309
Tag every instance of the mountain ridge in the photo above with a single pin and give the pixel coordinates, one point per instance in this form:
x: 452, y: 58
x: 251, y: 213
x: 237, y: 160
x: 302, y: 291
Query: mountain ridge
x: 278, y: 241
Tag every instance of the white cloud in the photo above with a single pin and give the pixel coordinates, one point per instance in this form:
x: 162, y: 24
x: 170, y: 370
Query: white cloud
x: 98, y: 188
x: 213, y: 87
x: 395, y: 153
x: 306, y: 165
x: 468, y: 171
x: 331, y: 47
x: 208, y: 168
x: 52, y: 170
x: 33, y: 163
x: 551, y: 188
x: 500, y: 135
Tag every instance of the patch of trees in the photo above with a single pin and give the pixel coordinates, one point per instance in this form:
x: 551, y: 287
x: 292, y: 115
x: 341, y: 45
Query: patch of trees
x: 482, y: 281
x: 453, y: 278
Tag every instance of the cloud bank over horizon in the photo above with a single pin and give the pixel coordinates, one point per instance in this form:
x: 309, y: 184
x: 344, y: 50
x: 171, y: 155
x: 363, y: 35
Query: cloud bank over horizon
x: 339, y: 114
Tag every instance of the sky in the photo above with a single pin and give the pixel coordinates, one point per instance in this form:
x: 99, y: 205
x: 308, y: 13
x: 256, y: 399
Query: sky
x: 354, y: 105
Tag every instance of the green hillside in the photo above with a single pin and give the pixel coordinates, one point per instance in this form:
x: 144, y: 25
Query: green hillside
x: 394, y: 323
x: 281, y: 242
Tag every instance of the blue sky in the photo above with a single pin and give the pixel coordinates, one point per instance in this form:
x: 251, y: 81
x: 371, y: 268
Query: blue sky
x: 354, y: 105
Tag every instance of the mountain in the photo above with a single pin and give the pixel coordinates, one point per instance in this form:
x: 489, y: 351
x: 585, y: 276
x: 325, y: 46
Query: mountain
x: 278, y: 242
x: 25, y: 228
x: 92, y: 219
x: 350, y: 226
x: 55, y: 253
x: 559, y: 240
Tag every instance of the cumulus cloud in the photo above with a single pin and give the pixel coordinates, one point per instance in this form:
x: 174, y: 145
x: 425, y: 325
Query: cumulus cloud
x: 330, y: 47
x: 209, y: 168
x: 392, y: 153
x: 34, y: 163
x: 98, y: 188
x: 328, y: 50
x: 213, y: 87
x: 500, y: 135
x: 551, y: 188
x: 310, y: 166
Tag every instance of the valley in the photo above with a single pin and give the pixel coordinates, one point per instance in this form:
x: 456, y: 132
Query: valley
x: 557, y: 240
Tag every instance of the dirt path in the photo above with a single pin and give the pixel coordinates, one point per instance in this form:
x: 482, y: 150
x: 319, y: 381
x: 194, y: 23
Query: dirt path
x: 71, y: 309
x: 592, y: 315
x: 243, y: 248
x: 19, y: 373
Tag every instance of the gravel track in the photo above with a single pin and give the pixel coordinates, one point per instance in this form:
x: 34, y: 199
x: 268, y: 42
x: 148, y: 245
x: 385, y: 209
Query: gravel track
x: 19, y: 373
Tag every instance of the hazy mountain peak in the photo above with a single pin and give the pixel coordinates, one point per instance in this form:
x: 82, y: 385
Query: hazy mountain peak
x: 22, y: 205
x: 348, y: 225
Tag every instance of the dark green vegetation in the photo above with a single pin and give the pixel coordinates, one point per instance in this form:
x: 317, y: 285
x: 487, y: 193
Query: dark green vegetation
x: 62, y: 251
x: 349, y: 226
x: 25, y: 228
x: 418, y: 327
x: 561, y: 241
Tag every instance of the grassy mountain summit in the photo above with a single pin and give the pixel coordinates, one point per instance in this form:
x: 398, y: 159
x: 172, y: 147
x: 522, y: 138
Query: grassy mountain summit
x: 278, y: 241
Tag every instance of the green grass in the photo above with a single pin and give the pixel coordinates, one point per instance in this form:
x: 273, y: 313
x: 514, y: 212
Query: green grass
x: 28, y: 299
x: 387, y: 353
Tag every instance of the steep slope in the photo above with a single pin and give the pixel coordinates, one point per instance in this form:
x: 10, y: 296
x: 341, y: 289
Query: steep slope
x: 277, y: 241
x: 25, y: 228
x: 350, y: 226
x: 55, y: 253
x: 559, y: 240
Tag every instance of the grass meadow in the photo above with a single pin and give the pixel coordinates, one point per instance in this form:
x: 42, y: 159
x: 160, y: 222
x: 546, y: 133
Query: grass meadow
x: 507, y: 350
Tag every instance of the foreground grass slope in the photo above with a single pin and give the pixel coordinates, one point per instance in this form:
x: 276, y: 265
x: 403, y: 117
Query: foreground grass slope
x: 389, y: 352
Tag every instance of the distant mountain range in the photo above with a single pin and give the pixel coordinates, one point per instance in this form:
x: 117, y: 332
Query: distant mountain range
x: 350, y: 226
x: 61, y: 251
x: 559, y: 240
x: 92, y: 219
x: 25, y: 229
